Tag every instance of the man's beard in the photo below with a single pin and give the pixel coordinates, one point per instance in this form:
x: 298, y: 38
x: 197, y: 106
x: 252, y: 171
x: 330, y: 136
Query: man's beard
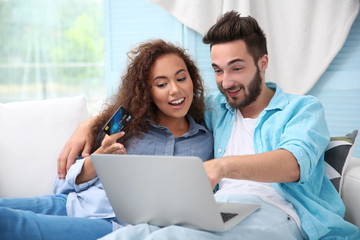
x: 254, y: 88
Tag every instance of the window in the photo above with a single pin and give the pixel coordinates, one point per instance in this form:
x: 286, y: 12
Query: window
x: 51, y: 49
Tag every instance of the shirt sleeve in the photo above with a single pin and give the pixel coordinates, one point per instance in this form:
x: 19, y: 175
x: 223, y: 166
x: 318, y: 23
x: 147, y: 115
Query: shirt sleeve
x: 67, y: 185
x: 306, y: 135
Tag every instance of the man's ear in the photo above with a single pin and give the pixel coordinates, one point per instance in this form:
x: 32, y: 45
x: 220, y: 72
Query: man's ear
x: 263, y: 63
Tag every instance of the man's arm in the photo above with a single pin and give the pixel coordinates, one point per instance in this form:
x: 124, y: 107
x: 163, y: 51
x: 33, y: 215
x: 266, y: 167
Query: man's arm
x: 79, y: 141
x: 274, y: 166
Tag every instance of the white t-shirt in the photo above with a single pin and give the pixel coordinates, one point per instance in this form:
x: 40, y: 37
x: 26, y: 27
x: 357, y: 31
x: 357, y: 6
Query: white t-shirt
x: 241, y: 143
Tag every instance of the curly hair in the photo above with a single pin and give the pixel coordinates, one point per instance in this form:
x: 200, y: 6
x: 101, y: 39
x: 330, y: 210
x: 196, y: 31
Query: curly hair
x: 134, y: 91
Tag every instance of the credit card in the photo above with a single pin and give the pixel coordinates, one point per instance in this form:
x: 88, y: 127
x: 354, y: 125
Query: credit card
x: 118, y: 121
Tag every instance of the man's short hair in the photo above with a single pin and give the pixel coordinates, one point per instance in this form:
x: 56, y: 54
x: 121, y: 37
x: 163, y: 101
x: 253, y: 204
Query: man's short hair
x: 232, y: 27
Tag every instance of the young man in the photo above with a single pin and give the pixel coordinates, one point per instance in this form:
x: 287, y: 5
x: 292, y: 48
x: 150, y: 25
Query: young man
x: 269, y: 148
x: 268, y: 144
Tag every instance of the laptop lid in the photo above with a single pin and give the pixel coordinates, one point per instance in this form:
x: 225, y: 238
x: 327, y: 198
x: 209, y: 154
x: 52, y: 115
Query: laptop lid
x: 164, y: 190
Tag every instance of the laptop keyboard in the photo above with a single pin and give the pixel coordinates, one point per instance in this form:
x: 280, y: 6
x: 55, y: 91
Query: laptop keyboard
x: 227, y: 216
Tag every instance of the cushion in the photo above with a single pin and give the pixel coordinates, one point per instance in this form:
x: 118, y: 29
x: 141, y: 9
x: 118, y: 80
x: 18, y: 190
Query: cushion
x: 337, y: 156
x: 33, y: 134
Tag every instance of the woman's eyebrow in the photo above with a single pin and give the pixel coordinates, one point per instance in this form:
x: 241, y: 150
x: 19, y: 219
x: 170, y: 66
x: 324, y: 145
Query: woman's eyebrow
x: 163, y: 77
x: 179, y: 71
x: 159, y: 77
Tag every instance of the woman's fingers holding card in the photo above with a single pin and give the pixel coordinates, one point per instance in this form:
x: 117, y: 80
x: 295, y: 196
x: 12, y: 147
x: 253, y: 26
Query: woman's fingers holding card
x: 109, y: 144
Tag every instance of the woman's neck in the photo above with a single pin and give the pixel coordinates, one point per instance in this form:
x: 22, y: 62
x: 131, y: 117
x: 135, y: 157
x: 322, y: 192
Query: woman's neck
x: 178, y: 126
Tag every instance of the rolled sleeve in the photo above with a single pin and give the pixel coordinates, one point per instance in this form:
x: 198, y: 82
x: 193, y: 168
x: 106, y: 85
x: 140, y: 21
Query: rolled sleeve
x: 64, y: 186
x: 306, y: 136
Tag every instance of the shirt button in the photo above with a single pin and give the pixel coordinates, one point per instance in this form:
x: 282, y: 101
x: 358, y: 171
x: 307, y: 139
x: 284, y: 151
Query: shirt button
x: 230, y: 123
x: 219, y: 150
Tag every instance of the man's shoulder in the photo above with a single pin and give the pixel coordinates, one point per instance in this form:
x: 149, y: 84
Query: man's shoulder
x: 215, y: 108
x: 215, y: 95
x: 291, y: 99
x: 215, y: 99
x: 303, y: 99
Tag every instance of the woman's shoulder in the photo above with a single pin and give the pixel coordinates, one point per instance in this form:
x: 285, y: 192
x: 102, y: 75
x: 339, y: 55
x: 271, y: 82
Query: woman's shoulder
x: 195, y: 127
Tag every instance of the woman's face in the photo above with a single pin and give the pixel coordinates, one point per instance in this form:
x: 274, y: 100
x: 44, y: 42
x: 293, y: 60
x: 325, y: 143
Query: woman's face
x: 171, y: 87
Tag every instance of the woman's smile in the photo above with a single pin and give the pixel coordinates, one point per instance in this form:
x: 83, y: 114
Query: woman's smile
x: 178, y: 103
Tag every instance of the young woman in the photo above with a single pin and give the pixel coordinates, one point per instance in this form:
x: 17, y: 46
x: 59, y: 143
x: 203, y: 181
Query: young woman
x: 163, y: 91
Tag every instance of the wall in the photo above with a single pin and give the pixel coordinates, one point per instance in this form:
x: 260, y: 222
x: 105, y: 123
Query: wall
x: 339, y: 88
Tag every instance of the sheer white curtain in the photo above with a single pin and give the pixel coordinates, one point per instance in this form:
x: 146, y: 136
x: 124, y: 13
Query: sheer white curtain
x: 51, y: 49
x: 303, y: 36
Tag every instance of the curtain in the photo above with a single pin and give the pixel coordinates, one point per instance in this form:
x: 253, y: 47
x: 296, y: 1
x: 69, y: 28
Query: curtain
x: 303, y: 36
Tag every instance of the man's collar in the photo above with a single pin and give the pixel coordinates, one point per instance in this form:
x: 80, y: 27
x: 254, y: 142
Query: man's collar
x: 279, y: 100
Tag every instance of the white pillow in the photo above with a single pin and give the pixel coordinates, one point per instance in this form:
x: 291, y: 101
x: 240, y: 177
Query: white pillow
x: 32, y: 135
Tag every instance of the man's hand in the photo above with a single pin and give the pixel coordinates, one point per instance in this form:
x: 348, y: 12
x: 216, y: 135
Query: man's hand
x: 214, y: 170
x: 278, y: 166
x: 79, y: 141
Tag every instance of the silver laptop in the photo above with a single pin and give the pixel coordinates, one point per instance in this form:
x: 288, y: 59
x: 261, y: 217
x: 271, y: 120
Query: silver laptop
x: 165, y: 190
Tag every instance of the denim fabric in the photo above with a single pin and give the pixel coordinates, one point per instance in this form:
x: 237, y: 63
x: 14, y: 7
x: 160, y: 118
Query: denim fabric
x: 45, y: 218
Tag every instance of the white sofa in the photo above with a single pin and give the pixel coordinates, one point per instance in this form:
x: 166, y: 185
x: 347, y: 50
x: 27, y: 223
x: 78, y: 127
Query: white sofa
x: 33, y: 133
x: 351, y: 191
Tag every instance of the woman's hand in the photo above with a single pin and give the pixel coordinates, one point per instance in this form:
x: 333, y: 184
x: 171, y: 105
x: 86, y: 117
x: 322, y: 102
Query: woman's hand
x: 110, y: 146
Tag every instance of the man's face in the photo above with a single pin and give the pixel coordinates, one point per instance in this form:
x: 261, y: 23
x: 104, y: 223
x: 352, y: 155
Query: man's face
x: 236, y: 74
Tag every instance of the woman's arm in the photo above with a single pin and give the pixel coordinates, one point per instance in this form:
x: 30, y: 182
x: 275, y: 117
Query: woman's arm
x: 108, y: 146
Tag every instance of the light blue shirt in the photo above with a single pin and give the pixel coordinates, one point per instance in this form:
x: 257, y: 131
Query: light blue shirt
x: 295, y: 123
x: 89, y: 199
